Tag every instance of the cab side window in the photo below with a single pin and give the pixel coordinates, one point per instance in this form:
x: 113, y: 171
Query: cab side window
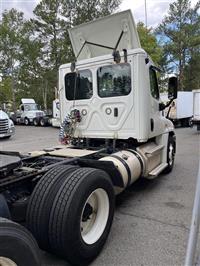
x: 153, y: 83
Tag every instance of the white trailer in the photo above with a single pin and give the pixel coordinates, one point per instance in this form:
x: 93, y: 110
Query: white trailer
x: 111, y: 113
x: 196, y: 109
x: 181, y: 110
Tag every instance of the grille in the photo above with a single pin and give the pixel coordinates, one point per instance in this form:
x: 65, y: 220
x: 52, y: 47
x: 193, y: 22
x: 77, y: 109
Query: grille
x: 3, y: 126
x: 39, y: 114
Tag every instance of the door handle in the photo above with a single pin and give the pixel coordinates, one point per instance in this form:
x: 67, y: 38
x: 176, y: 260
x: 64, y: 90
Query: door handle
x: 115, y: 112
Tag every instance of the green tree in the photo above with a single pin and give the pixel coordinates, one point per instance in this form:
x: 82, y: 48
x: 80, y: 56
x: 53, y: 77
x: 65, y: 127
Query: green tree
x: 180, y: 34
x: 5, y: 90
x: 10, y: 48
x: 192, y: 67
x: 149, y: 43
x: 81, y: 11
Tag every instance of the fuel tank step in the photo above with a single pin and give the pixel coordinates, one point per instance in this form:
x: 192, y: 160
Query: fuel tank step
x: 156, y: 171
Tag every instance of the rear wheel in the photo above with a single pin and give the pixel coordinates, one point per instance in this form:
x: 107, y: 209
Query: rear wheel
x: 185, y: 122
x: 41, y: 202
x: 82, y: 215
x: 43, y: 122
x: 35, y: 122
x: 18, y: 247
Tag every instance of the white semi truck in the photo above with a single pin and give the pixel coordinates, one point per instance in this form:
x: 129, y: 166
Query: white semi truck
x: 7, y: 128
x: 28, y: 113
x: 112, y: 122
x: 196, y: 109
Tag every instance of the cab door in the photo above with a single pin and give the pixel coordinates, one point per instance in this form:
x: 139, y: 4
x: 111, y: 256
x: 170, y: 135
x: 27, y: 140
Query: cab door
x: 156, y: 125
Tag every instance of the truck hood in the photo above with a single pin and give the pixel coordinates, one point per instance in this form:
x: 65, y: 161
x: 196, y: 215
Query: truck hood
x: 3, y: 115
x: 102, y: 36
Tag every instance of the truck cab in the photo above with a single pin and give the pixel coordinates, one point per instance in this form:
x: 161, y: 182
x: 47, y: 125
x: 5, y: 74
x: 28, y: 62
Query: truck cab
x: 114, y: 89
x: 7, y: 128
x: 28, y: 111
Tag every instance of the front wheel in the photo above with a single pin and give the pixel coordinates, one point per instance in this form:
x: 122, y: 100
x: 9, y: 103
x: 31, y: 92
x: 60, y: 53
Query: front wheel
x: 26, y: 121
x: 171, y: 150
x: 82, y: 215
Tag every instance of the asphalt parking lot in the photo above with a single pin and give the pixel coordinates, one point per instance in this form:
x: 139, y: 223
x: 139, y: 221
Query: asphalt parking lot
x: 152, y: 218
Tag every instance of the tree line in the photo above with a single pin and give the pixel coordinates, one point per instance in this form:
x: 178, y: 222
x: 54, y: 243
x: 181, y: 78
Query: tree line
x: 32, y: 50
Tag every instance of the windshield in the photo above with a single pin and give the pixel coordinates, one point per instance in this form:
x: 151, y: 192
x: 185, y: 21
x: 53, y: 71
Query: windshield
x: 30, y: 107
x: 114, y: 80
x: 83, y: 88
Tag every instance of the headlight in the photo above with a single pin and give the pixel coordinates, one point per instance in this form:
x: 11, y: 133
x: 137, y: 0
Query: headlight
x: 11, y: 124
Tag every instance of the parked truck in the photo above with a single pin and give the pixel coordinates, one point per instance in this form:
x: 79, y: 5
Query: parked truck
x: 181, y: 110
x: 112, y: 122
x: 7, y: 128
x: 28, y: 113
x: 196, y: 109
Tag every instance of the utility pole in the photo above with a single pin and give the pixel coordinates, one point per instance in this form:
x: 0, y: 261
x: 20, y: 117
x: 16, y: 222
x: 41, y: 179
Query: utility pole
x: 145, y: 4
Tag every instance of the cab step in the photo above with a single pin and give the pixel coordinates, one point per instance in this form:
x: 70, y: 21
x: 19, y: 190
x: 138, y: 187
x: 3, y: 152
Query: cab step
x: 156, y: 171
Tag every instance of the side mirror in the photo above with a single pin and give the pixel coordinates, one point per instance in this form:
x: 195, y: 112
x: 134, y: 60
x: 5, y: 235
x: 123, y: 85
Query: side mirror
x: 172, y: 88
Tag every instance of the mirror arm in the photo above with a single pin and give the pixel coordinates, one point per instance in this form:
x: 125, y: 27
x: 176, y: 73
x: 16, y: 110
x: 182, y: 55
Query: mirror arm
x: 167, y: 116
x: 162, y: 106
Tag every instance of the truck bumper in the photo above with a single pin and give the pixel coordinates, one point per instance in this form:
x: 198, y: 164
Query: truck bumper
x: 10, y: 132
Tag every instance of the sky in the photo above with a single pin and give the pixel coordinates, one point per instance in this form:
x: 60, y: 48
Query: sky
x: 156, y: 9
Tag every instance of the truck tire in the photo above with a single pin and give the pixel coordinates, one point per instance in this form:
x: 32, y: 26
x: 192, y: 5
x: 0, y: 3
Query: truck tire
x: 185, y: 122
x: 41, y: 201
x: 26, y: 121
x: 82, y: 215
x: 171, y: 150
x: 43, y: 122
x: 4, y: 210
x: 18, y: 247
x: 35, y: 122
